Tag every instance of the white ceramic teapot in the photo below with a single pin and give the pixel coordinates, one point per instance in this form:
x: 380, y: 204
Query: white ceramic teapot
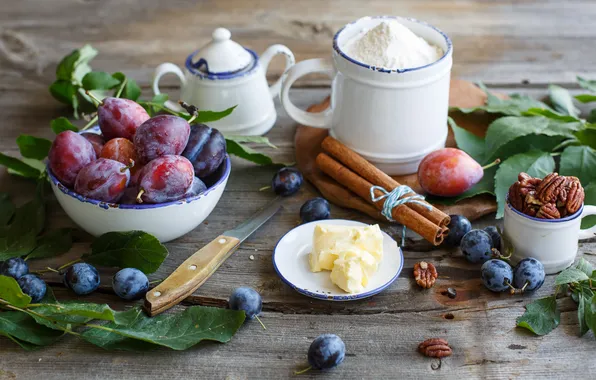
x: 224, y: 74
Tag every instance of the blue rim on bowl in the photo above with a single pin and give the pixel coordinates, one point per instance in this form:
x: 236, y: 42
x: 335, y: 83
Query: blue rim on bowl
x: 347, y: 297
x: 575, y: 215
x: 193, y: 68
x: 107, y: 205
x: 382, y: 69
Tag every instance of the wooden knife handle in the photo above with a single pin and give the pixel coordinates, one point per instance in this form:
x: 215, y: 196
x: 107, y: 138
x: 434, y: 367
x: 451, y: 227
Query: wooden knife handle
x: 190, y: 275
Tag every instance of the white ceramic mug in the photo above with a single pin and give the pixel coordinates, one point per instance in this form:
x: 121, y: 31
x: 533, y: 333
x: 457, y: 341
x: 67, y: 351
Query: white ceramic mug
x: 554, y: 242
x: 393, y: 118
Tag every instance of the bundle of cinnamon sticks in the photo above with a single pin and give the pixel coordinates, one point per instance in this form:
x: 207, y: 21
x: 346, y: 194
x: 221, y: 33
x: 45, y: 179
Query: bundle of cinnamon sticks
x: 358, y: 175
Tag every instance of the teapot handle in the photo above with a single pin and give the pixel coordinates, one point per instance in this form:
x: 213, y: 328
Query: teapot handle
x: 266, y: 57
x: 161, y: 70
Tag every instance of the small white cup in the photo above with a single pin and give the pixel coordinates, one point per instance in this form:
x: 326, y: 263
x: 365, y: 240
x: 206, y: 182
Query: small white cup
x: 554, y: 242
x: 393, y: 118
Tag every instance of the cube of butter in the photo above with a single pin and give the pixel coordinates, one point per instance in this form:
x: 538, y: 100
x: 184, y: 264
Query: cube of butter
x: 329, y: 241
x: 352, y: 270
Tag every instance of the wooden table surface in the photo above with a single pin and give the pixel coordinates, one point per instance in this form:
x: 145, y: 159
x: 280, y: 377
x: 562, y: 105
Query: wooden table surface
x: 510, y: 45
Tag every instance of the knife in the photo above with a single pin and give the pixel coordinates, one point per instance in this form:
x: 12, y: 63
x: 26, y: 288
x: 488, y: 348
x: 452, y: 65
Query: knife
x: 193, y: 272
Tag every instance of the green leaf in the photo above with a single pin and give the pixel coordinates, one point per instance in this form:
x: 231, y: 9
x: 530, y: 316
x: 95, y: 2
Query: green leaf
x: 586, y: 98
x: 581, y: 316
x: 551, y: 115
x: 485, y: 186
x: 562, y: 100
x: 133, y: 249
x: 508, y: 129
x: 23, y: 328
x: 7, y: 209
x: 131, y: 91
x: 178, y: 331
x: 160, y: 99
x: 74, y: 66
x: 60, y: 315
x: 584, y: 266
x: 64, y: 91
x: 589, y: 85
x: 18, y: 238
x: 515, y: 105
x: 570, y: 275
x: 208, y: 116
x: 592, y: 116
x: 541, y: 317
x: 62, y: 124
x: 11, y: 292
x: 34, y: 147
x: 590, y: 313
x: 247, y: 153
x: 19, y: 167
x: 467, y: 141
x: 251, y: 139
x: 99, y: 80
x: 535, y: 163
x: 590, y: 199
x: 579, y: 161
x: 52, y: 244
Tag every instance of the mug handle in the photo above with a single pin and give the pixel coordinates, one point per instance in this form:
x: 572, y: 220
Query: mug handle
x: 318, y: 65
x: 588, y: 232
x: 266, y: 57
x: 161, y: 70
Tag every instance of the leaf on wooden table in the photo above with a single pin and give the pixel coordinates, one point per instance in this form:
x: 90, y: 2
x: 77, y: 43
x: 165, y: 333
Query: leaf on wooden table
x: 33, y: 147
x: 570, y: 275
x: 19, y: 237
x: 59, y: 315
x: 485, y: 186
x: 133, y: 249
x: 551, y: 115
x: 535, y: 163
x: 562, y: 100
x: 584, y: 266
x: 21, y: 167
x: 579, y: 161
x: 7, y: 209
x: 541, y: 317
x: 52, y: 244
x: 467, y: 141
x: 248, y: 154
x: 22, y: 329
x: 177, y: 331
x: 590, y: 312
x: 11, y: 292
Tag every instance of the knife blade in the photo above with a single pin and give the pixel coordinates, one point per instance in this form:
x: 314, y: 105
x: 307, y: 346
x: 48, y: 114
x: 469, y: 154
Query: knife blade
x: 195, y: 270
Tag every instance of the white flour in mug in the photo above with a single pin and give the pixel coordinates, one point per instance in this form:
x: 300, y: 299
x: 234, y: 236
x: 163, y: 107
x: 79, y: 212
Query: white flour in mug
x: 391, y: 45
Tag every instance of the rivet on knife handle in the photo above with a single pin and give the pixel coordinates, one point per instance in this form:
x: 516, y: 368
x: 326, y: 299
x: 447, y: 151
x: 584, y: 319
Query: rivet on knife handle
x: 190, y: 275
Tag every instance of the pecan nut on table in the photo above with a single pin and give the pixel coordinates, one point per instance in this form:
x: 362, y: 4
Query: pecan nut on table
x: 425, y: 274
x: 435, y: 348
x: 553, y: 197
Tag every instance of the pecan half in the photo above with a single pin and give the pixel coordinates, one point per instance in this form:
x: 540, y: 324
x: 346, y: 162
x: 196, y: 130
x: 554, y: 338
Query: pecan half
x: 527, y: 183
x: 515, y: 198
x: 548, y: 211
x: 435, y: 348
x: 425, y: 274
x: 575, y: 195
x: 550, y: 187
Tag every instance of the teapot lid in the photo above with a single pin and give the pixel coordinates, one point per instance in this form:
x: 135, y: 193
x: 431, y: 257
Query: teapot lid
x: 222, y: 55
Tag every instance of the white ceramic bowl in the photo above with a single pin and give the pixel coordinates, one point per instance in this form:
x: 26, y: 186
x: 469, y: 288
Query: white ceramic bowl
x: 166, y: 221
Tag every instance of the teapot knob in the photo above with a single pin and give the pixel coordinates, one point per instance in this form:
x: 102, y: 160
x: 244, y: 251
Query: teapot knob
x: 221, y: 34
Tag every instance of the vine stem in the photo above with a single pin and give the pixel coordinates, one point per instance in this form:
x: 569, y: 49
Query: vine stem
x: 302, y: 371
x: 27, y: 311
x: 90, y: 123
x: 121, y: 89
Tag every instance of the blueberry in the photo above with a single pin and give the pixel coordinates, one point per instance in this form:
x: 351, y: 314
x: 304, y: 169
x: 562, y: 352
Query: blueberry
x: 476, y: 246
x: 82, y: 278
x: 458, y: 227
x: 530, y: 271
x: 315, y: 209
x: 497, y: 275
x: 33, y: 286
x: 494, y: 235
x: 15, y: 268
x: 326, y: 351
x: 287, y: 181
x: 247, y: 299
x: 130, y: 284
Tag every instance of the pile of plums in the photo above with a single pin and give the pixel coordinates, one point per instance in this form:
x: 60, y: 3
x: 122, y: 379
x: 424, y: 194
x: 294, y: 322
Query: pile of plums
x: 137, y: 158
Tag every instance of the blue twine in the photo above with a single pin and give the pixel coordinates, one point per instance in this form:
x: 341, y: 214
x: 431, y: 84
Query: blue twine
x: 394, y: 198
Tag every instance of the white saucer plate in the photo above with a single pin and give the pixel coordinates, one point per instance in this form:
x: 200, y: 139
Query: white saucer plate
x: 290, y: 260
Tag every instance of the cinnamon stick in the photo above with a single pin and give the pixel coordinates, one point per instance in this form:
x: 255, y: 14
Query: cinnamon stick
x: 402, y: 213
x: 371, y: 173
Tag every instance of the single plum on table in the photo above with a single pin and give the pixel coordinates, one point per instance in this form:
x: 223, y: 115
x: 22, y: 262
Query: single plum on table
x: 458, y: 227
x: 96, y: 140
x: 206, y: 149
x: 33, y: 286
x: 315, y: 209
x: 528, y: 274
x: 81, y: 278
x: 449, y: 172
x: 14, y: 267
x: 70, y: 152
x: 286, y: 181
x: 326, y: 351
x: 161, y: 136
x: 121, y: 150
x: 120, y: 117
x: 497, y: 275
x: 248, y: 300
x: 165, y: 179
x: 130, y: 284
x: 476, y: 246
x: 103, y: 179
